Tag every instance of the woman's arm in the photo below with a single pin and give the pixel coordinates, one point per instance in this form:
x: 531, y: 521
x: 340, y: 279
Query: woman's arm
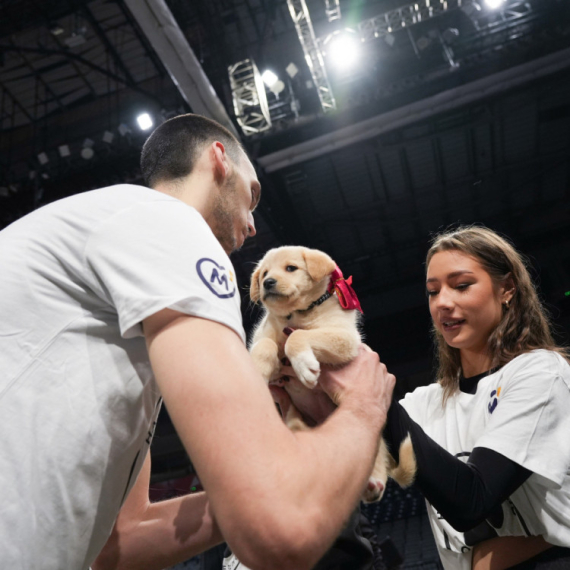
x: 506, y: 551
x: 464, y: 494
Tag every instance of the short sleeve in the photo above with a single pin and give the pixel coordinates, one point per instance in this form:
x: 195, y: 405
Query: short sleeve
x: 161, y: 254
x: 423, y: 405
x: 530, y: 423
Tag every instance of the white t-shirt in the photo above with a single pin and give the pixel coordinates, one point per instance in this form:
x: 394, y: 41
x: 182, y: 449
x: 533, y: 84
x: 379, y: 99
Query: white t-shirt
x: 78, y: 400
x: 522, y: 411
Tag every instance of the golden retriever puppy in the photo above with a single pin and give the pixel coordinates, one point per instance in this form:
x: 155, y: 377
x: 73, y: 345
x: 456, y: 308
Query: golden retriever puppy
x: 303, y: 292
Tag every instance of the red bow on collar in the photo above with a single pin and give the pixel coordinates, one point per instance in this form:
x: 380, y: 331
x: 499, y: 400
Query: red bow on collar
x: 344, y: 291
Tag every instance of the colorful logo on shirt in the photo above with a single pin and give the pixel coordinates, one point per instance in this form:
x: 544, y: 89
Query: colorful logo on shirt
x: 219, y: 280
x: 494, y: 400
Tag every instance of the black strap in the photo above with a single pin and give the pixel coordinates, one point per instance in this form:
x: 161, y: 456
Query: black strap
x: 319, y: 301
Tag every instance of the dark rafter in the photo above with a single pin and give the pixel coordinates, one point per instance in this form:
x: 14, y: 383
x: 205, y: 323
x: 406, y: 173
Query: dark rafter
x: 83, y: 61
x: 40, y: 78
x: 108, y: 45
x: 16, y: 103
x: 151, y: 54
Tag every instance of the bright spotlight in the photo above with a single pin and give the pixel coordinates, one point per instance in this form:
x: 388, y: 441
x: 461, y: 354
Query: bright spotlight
x: 493, y: 4
x: 269, y: 78
x: 145, y: 121
x: 343, y: 50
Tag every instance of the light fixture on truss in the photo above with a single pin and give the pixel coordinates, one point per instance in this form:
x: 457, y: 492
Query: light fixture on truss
x: 249, y: 97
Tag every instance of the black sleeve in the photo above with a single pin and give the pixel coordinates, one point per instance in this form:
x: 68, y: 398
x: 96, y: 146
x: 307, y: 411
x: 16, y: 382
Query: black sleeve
x: 464, y: 494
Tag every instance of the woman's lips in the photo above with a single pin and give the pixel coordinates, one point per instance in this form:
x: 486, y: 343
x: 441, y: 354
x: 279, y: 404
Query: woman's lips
x: 452, y: 324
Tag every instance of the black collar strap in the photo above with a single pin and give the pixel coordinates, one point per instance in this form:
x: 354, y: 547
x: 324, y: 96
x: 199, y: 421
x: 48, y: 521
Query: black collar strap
x: 319, y: 301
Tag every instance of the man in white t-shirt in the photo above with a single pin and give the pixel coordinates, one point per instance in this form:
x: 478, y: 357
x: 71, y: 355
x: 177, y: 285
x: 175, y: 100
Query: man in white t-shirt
x: 99, y: 287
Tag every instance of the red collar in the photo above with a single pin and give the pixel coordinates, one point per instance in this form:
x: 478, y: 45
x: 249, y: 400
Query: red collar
x: 343, y: 289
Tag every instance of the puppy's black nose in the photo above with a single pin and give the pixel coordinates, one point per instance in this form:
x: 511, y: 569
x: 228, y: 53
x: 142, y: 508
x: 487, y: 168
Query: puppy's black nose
x: 269, y: 283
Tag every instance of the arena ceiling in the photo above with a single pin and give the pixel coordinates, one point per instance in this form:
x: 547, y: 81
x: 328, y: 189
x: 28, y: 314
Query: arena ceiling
x: 453, y: 113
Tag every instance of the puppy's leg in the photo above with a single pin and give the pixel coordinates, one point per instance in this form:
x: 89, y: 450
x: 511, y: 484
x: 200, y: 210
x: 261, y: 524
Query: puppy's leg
x: 405, y: 472
x: 307, y: 348
x: 265, y: 355
x: 377, y: 480
x: 294, y: 420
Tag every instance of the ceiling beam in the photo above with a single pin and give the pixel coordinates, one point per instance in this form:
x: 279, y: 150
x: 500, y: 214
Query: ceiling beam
x: 417, y: 111
x: 167, y: 39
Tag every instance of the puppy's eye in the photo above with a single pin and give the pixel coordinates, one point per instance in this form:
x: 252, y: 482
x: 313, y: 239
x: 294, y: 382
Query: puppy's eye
x: 291, y: 268
x: 265, y: 273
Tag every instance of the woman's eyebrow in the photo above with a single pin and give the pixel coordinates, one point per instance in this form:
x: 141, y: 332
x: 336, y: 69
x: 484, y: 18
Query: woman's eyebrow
x: 450, y: 275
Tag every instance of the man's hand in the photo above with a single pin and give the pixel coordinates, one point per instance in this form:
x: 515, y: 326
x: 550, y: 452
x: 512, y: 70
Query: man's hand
x: 364, y: 379
x: 317, y: 404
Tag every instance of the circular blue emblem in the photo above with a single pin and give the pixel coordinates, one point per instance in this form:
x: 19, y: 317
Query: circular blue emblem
x: 218, y: 280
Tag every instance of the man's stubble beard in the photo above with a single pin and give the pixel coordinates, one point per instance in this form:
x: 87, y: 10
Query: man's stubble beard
x: 223, y: 215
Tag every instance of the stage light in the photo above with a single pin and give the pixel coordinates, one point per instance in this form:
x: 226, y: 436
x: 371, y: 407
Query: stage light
x: 87, y: 153
x: 343, y: 50
x: 277, y: 87
x: 124, y: 129
x: 269, y: 78
x: 64, y: 151
x: 493, y: 4
x: 145, y: 121
x: 292, y: 70
x: 108, y: 137
x: 43, y: 158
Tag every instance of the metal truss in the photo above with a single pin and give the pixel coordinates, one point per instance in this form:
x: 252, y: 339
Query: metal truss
x: 332, y: 9
x: 424, y: 10
x: 249, y: 97
x: 313, y: 55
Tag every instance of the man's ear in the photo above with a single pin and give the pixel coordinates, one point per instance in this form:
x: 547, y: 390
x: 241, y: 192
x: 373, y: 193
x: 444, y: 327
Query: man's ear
x: 254, y: 286
x: 220, y: 160
x: 319, y: 264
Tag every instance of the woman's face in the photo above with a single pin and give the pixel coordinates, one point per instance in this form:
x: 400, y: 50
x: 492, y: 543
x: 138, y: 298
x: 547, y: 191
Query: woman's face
x: 464, y: 303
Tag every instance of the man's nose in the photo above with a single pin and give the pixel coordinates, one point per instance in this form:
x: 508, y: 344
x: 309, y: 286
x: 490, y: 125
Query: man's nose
x: 250, y: 225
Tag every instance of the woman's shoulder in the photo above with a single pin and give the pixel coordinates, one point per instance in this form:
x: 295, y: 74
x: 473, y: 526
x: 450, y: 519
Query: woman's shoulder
x: 541, y: 361
x: 547, y: 360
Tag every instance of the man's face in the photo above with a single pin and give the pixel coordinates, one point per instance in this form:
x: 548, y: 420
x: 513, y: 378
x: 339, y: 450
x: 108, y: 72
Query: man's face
x: 232, y: 219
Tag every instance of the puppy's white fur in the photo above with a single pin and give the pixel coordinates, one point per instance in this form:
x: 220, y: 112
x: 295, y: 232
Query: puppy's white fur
x: 287, y: 281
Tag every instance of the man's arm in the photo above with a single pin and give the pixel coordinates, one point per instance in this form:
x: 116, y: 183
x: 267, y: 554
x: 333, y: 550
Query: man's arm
x: 153, y: 536
x: 280, y: 498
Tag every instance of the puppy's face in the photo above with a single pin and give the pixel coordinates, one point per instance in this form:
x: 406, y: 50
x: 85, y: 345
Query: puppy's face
x: 290, y: 278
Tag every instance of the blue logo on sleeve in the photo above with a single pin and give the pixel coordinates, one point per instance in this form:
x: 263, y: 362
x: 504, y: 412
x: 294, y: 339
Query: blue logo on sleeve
x: 494, y: 397
x: 217, y: 278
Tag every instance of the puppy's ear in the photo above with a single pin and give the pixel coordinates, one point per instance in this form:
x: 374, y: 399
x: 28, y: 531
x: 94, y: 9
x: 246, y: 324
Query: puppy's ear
x: 319, y: 264
x: 254, y: 285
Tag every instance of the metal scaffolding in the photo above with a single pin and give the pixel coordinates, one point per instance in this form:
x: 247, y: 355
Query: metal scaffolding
x: 249, y: 97
x: 332, y: 9
x: 313, y: 55
x: 423, y: 10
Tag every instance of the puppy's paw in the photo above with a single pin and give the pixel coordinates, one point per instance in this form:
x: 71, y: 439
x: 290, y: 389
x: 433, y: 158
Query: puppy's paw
x: 307, y: 368
x: 374, y: 490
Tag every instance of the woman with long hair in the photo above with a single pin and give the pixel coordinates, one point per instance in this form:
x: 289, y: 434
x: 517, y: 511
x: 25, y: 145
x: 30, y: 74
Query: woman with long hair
x: 492, y: 436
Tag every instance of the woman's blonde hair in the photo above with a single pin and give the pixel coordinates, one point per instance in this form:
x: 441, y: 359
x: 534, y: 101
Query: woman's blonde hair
x: 525, y: 324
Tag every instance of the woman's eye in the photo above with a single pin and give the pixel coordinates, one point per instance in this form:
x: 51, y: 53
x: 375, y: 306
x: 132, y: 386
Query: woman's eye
x: 462, y: 285
x: 431, y: 293
x: 291, y: 268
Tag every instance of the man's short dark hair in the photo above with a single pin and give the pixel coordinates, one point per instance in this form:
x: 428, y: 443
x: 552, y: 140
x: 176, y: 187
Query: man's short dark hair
x: 172, y: 149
